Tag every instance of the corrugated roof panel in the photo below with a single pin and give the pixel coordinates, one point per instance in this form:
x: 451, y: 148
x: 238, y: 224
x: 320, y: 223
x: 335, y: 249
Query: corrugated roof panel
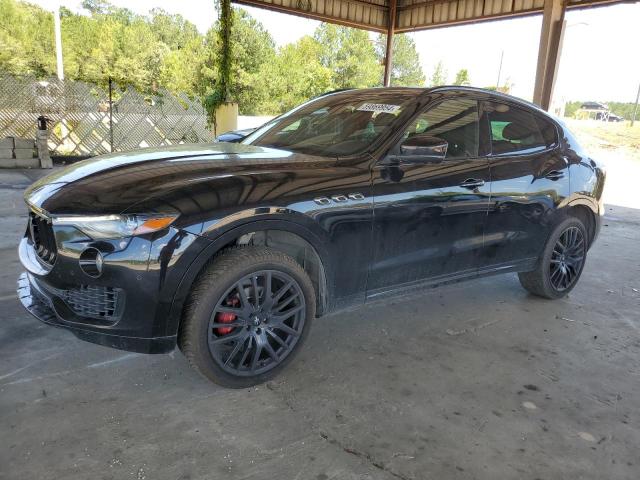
x: 437, y: 12
x: 367, y: 14
x: 412, y: 14
x: 453, y: 10
x: 465, y: 9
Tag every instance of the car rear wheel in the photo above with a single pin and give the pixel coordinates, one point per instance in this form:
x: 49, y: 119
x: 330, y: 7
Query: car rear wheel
x: 247, y: 316
x: 562, y: 261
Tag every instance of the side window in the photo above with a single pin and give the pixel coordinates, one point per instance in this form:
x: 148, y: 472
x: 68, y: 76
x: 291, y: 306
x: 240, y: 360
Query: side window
x: 455, y: 121
x: 549, y: 132
x: 516, y: 130
x: 292, y: 127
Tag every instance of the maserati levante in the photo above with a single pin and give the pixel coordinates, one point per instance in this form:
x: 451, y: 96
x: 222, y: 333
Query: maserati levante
x: 230, y: 250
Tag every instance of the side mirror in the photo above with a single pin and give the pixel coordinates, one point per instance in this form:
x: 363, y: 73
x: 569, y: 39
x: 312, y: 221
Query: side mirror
x: 235, y: 136
x: 423, y: 148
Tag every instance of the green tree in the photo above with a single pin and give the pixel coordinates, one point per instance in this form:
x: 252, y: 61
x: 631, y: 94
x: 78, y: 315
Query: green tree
x: 96, y: 6
x: 115, y: 43
x: 439, y: 75
x: 173, y: 30
x: 26, y: 39
x: 180, y: 69
x: 165, y: 50
x: 252, y: 47
x: 571, y: 108
x: 406, y: 70
x: 625, y: 110
x: 296, y: 76
x: 504, y: 88
x: 181, y: 48
x: 144, y: 51
x: 462, y: 77
x: 350, y: 55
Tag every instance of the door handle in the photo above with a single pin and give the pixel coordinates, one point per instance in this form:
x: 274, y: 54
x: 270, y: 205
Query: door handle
x: 472, y: 183
x: 554, y: 175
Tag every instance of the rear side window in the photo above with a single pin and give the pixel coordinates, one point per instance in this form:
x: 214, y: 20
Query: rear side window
x: 516, y: 130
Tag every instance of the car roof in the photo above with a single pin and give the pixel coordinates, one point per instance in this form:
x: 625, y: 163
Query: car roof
x: 418, y: 91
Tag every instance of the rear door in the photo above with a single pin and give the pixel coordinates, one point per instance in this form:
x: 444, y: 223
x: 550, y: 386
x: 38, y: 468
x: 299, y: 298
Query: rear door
x: 429, y: 214
x: 529, y: 180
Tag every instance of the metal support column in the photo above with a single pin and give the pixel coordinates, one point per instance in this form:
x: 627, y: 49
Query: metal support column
x: 388, y: 56
x: 549, y: 51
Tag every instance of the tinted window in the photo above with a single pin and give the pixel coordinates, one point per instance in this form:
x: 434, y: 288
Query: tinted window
x: 334, y: 125
x: 516, y: 130
x: 455, y: 121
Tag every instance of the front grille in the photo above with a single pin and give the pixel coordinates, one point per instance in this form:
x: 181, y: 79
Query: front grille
x: 93, y: 301
x: 41, y: 235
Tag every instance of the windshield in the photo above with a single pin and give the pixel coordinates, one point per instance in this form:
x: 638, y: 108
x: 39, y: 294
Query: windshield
x: 334, y: 125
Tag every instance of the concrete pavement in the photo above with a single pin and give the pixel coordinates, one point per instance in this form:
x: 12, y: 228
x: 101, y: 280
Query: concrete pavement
x: 477, y: 380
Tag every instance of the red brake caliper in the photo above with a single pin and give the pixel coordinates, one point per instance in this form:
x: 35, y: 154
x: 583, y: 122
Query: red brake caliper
x: 225, y: 317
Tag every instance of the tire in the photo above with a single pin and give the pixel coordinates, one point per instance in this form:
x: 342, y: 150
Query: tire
x: 558, y: 271
x: 235, y: 341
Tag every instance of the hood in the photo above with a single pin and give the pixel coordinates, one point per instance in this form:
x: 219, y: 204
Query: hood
x: 112, y: 183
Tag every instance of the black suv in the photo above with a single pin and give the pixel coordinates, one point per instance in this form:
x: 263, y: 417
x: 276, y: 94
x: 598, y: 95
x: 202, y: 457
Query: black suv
x: 231, y: 250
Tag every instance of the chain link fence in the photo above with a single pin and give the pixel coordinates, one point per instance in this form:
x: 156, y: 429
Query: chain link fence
x: 86, y: 119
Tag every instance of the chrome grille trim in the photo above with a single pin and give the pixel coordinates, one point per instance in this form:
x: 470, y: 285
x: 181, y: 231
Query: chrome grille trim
x: 42, y: 238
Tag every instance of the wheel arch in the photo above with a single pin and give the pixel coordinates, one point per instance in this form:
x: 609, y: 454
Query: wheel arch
x: 282, y: 235
x: 587, y: 213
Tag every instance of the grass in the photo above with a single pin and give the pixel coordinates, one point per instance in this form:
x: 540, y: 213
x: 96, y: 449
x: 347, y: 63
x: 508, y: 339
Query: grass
x: 608, y: 135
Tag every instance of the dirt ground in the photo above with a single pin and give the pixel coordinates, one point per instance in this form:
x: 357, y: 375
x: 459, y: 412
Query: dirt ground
x: 620, y: 138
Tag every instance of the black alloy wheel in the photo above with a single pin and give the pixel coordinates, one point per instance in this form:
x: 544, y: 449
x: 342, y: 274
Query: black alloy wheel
x: 257, y: 322
x: 567, y: 259
x: 561, y: 263
x: 247, y: 316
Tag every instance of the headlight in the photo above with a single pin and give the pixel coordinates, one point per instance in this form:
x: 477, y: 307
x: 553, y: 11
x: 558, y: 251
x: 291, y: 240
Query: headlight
x: 102, y: 227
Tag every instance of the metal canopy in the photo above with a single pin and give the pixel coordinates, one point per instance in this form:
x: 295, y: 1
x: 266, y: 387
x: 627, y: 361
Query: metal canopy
x: 397, y: 16
x: 411, y: 15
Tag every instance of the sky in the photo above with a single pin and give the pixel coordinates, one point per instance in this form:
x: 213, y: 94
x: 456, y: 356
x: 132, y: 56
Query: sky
x: 600, y: 56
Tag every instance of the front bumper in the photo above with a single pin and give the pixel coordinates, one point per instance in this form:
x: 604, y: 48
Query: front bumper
x: 129, y: 305
x: 40, y: 304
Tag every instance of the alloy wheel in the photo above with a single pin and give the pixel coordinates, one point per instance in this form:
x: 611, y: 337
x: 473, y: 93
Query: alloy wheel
x: 256, y: 323
x: 567, y: 259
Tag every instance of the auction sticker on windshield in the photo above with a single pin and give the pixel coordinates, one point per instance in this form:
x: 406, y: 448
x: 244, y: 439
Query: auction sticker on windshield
x: 378, y: 107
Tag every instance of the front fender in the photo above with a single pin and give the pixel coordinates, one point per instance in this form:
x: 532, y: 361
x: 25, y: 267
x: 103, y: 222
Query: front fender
x: 213, y: 229
x: 225, y: 233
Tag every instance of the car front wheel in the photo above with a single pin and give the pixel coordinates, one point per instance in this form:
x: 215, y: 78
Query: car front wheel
x: 247, y: 316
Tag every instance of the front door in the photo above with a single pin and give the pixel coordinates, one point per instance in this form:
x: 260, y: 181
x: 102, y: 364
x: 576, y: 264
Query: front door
x: 429, y: 211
